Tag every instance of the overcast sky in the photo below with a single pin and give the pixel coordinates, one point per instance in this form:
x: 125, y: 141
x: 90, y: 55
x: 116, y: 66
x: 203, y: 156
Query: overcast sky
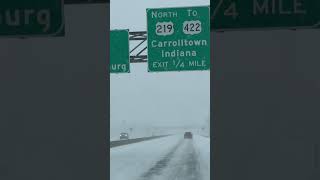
x: 155, y: 99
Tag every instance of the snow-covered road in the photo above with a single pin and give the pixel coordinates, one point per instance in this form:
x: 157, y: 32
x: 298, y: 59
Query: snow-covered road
x: 168, y: 158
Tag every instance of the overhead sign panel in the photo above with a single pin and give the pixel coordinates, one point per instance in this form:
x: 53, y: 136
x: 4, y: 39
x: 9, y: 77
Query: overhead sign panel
x: 31, y: 18
x: 119, y: 51
x: 264, y: 14
x: 178, y: 39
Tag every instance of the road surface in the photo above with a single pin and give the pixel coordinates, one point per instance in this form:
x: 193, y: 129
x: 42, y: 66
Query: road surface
x: 168, y: 158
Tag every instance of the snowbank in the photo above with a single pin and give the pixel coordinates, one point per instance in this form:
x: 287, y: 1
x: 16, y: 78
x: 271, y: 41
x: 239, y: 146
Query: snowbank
x: 202, y: 148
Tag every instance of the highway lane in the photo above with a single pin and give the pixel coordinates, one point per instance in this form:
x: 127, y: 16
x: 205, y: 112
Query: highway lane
x: 167, y: 158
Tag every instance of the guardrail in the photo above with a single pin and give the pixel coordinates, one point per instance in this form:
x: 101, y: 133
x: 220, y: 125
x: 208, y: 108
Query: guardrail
x: 130, y: 141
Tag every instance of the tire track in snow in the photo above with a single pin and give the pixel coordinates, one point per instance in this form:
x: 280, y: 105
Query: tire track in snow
x: 186, y: 165
x: 180, y: 163
x: 161, y: 164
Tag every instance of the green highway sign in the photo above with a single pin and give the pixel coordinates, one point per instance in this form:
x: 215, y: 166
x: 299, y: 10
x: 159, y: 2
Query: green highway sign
x: 178, y: 39
x: 119, y: 51
x: 27, y: 18
x: 264, y: 14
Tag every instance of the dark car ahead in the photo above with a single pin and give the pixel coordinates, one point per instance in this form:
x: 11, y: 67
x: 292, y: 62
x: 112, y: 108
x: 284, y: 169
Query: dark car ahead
x: 188, y: 135
x: 124, y: 136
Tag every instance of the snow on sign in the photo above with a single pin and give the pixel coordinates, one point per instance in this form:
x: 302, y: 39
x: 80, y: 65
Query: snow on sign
x: 178, y: 39
x: 119, y: 51
x: 31, y: 18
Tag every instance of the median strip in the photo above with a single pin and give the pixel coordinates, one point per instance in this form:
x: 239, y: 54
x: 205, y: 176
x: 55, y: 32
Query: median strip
x: 130, y: 141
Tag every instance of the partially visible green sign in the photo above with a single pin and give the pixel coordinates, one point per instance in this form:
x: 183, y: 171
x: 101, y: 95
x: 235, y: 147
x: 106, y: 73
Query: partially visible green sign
x: 26, y: 18
x: 178, y: 39
x: 119, y: 51
x: 264, y: 14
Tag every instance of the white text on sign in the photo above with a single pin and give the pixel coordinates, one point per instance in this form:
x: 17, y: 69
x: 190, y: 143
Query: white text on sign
x: 16, y: 18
